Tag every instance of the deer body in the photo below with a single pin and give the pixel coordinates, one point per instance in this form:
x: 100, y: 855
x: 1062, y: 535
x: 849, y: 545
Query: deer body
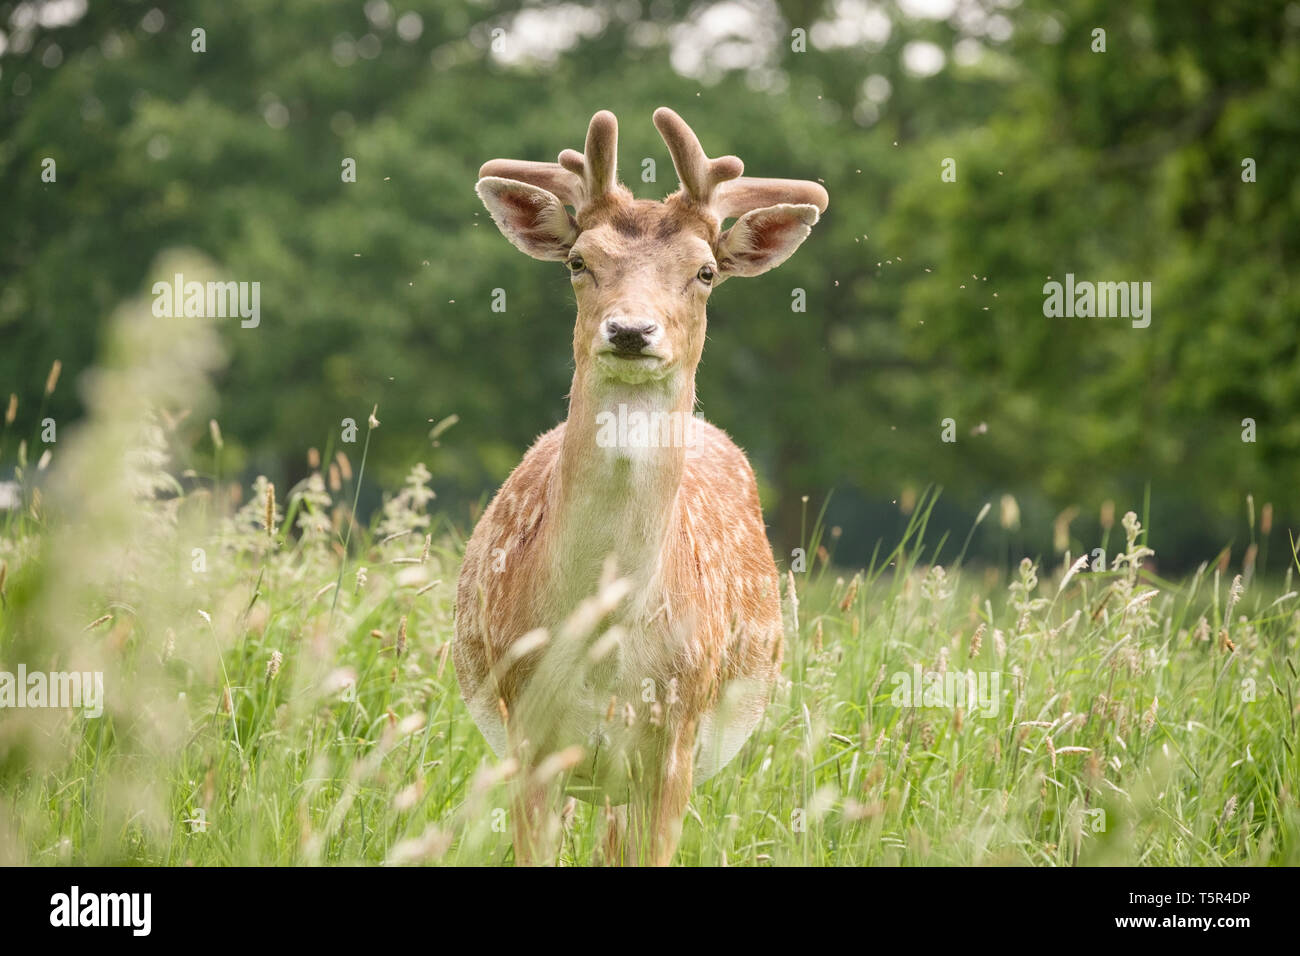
x: 693, y: 570
x: 619, y: 605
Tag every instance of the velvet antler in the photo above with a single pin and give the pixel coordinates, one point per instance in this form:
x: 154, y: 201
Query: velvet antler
x: 716, y: 185
x: 580, y: 180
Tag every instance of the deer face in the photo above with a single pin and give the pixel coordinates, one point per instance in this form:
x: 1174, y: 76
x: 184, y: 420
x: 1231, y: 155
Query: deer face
x: 642, y: 271
x: 642, y: 278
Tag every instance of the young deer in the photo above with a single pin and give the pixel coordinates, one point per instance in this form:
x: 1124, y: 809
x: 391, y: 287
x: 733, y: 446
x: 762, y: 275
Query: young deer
x: 657, y: 543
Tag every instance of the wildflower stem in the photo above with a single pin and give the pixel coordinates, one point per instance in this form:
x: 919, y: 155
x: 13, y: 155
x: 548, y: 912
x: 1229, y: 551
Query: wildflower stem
x: 352, y: 518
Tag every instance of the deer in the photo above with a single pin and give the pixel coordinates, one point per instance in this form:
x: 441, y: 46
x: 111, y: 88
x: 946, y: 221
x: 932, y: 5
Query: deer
x: 618, y: 626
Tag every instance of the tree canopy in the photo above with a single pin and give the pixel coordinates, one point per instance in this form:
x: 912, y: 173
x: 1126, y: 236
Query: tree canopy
x: 973, y: 152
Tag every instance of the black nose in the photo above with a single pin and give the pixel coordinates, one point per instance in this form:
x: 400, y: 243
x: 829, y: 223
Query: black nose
x: 631, y: 337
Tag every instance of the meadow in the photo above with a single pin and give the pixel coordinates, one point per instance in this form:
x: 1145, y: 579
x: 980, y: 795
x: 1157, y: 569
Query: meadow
x: 279, y: 689
x: 250, y: 527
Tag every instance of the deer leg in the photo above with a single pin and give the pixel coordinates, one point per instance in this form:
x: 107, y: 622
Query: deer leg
x: 531, y: 815
x: 535, y: 823
x: 613, y: 848
x: 659, y: 805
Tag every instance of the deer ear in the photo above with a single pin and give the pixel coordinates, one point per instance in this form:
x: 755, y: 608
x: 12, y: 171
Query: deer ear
x: 764, y: 238
x: 530, y: 217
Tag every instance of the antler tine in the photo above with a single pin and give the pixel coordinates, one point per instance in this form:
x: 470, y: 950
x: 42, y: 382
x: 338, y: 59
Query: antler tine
x: 597, y: 167
x: 717, y: 184
x: 699, y: 175
x: 578, y: 179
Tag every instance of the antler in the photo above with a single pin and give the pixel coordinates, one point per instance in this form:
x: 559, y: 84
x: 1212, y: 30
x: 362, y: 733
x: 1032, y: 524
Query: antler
x: 717, y: 186
x: 700, y: 176
x: 580, y: 180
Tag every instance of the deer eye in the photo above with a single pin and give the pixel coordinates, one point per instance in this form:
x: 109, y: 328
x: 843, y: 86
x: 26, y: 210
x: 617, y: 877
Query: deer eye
x: 576, y: 264
x: 705, y: 275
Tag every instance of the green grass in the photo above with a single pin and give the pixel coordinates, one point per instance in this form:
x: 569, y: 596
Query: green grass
x: 354, y: 753
x: 133, y: 556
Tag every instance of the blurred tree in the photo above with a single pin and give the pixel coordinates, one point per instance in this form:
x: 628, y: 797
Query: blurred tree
x: 924, y: 297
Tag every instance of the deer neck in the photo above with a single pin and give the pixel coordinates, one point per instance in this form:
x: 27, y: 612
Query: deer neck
x: 621, y: 465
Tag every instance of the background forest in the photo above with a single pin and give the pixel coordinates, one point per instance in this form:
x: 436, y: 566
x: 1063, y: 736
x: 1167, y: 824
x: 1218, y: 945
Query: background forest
x: 923, y: 297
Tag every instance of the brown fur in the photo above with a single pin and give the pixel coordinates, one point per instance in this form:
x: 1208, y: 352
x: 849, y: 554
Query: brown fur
x: 666, y: 545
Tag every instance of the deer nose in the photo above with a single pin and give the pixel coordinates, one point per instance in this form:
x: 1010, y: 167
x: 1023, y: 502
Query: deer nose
x: 628, y: 336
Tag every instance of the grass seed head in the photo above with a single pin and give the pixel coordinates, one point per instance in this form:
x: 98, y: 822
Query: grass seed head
x: 1229, y: 811
x: 1149, y: 718
x: 851, y: 596
x: 1234, y: 595
x: 269, y: 518
x: 52, y: 379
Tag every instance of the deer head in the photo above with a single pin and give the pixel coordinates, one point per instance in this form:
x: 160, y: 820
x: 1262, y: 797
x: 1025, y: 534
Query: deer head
x: 643, y: 270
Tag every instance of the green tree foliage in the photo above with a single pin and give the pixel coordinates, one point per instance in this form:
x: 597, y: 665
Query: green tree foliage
x: 924, y: 297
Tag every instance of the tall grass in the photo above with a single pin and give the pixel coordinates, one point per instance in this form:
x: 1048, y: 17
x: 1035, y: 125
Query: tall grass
x: 284, y: 693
